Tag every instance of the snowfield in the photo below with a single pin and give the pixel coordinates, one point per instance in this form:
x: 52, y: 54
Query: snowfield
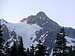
x: 27, y: 31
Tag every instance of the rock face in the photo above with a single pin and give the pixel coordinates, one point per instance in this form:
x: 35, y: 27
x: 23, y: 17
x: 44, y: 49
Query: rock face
x: 49, y: 29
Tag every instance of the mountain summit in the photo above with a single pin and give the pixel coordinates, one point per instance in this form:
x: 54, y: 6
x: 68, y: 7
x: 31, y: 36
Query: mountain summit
x: 42, y: 20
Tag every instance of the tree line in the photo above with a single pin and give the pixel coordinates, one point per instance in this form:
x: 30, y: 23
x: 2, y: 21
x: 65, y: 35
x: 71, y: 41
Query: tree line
x: 60, y: 48
x: 19, y: 50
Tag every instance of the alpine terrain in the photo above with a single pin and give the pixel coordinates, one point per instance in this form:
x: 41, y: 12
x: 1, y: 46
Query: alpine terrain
x: 34, y: 28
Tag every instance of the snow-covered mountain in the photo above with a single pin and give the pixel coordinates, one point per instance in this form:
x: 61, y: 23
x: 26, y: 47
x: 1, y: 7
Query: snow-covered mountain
x: 37, y: 27
x: 49, y: 29
x: 27, y: 31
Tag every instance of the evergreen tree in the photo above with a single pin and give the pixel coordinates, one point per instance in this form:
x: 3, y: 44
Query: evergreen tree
x: 13, y: 51
x: 60, y: 45
x: 73, y: 51
x: 1, y: 41
x: 28, y: 52
x: 70, y: 51
x: 20, y: 47
x: 40, y: 49
x: 32, y: 50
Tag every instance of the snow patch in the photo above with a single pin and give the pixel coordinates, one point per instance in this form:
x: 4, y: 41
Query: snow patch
x: 69, y: 41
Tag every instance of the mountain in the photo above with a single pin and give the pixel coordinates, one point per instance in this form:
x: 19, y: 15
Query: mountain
x: 34, y: 28
x: 49, y: 29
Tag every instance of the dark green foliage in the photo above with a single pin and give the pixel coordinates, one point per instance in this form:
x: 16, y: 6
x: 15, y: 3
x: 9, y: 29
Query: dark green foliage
x: 17, y: 49
x: 1, y: 42
x: 28, y: 52
x: 73, y: 52
x: 13, y: 51
x: 60, y: 45
x: 40, y: 49
x: 20, y: 47
x: 1, y: 39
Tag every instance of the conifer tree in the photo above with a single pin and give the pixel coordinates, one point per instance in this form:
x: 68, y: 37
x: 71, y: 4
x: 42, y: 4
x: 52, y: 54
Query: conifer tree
x: 1, y: 41
x: 60, y: 44
x: 20, y: 47
x: 13, y: 51
x: 28, y: 52
x: 70, y: 51
x: 73, y: 51
x: 40, y: 49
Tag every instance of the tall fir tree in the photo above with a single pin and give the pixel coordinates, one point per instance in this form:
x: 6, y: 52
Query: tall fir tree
x: 73, y: 51
x: 60, y: 45
x: 1, y: 41
x: 28, y: 52
x: 13, y: 51
x: 20, y: 47
x: 40, y: 49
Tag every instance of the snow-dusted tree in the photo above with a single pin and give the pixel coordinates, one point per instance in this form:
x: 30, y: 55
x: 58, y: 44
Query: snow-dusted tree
x: 60, y: 45
x: 40, y: 49
x: 1, y: 41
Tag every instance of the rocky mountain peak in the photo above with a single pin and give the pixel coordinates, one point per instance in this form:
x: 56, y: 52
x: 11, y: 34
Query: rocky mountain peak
x: 41, y: 13
x: 40, y: 19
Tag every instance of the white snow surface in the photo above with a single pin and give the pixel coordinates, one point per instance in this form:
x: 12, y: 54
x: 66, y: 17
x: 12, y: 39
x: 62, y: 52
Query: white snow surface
x: 27, y: 31
x: 69, y: 41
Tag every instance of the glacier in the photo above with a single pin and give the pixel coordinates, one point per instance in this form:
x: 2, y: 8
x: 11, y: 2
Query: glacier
x: 27, y: 31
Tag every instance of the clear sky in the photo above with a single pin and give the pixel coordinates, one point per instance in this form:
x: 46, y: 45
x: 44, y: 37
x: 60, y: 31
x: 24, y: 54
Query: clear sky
x: 61, y: 11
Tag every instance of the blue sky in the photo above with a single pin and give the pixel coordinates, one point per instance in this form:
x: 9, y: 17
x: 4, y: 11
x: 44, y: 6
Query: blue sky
x: 61, y: 11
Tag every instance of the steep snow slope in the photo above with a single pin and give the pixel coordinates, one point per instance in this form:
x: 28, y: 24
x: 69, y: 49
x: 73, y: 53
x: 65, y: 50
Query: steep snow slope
x: 27, y: 31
